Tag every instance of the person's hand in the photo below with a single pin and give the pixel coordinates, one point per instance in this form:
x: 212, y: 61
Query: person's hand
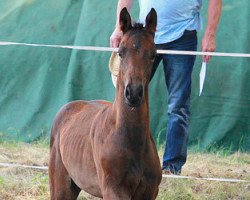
x: 208, y: 45
x: 115, y: 38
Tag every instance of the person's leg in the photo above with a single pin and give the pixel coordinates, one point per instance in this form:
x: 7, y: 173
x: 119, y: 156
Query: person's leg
x: 178, y: 70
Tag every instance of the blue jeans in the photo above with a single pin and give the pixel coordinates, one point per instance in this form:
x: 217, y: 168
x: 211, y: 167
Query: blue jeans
x: 177, y: 70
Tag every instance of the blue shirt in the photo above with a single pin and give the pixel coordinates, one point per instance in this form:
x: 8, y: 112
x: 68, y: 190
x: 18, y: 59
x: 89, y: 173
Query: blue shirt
x: 173, y: 17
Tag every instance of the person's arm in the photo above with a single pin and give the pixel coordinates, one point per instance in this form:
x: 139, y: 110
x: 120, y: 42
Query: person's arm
x: 209, y: 38
x: 115, y: 38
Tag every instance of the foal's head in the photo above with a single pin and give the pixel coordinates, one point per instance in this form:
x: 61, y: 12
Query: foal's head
x: 137, y: 52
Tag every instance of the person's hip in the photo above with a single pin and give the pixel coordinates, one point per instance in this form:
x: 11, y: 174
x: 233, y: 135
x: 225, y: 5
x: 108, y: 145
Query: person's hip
x: 187, y: 42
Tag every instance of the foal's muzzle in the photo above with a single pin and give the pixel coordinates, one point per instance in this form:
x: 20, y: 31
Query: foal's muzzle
x: 133, y: 95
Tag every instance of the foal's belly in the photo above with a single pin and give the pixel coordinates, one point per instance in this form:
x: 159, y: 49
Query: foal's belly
x: 81, y: 167
x: 76, y: 149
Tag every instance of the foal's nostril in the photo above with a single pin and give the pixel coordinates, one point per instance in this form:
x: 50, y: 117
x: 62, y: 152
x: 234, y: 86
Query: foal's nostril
x: 140, y: 91
x: 128, y: 92
x: 133, y: 94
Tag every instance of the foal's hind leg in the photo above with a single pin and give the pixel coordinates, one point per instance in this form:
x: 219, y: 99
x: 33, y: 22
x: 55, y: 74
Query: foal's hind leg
x: 62, y: 187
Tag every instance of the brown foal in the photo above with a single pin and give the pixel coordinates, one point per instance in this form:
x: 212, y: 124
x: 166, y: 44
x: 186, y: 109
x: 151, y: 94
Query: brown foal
x: 106, y: 149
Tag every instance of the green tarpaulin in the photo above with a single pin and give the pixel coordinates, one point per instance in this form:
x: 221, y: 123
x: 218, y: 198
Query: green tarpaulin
x: 36, y: 81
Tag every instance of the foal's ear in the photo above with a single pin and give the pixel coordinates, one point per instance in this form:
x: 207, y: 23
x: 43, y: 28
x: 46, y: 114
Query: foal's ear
x: 151, y: 21
x: 125, y: 20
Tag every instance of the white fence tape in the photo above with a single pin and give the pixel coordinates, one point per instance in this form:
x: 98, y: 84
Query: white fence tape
x: 208, y: 179
x: 23, y: 166
x: 164, y: 175
x: 93, y: 48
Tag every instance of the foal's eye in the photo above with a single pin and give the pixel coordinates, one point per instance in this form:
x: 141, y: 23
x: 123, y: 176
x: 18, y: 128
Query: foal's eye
x: 120, y: 53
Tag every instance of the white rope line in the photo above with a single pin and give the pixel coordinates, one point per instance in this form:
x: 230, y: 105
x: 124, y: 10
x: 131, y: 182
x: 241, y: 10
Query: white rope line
x: 164, y: 175
x: 208, y: 179
x: 94, y: 48
x: 23, y: 166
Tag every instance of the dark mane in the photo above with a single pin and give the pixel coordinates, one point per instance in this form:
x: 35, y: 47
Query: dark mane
x: 138, y: 26
x: 137, y: 30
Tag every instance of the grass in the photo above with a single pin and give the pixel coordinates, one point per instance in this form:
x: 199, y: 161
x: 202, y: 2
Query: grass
x: 29, y: 184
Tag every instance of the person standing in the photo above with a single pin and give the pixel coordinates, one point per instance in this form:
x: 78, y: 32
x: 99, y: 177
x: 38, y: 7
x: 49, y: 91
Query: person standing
x: 178, y: 21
